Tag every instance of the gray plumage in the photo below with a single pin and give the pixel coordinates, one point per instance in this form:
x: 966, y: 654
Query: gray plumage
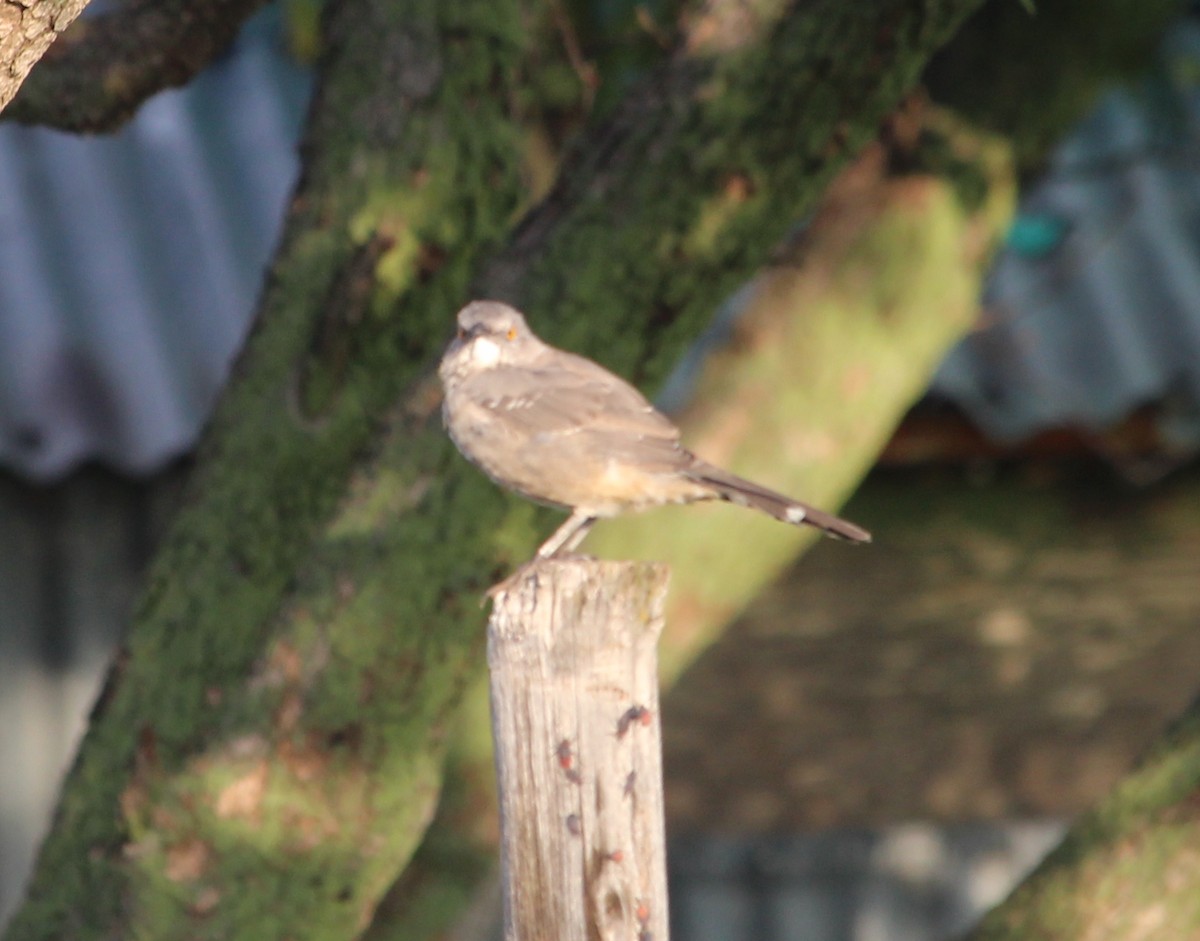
x: 562, y: 430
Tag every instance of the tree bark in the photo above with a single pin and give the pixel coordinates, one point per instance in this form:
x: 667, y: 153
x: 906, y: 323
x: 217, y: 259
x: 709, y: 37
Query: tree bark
x: 27, y: 28
x: 107, y: 65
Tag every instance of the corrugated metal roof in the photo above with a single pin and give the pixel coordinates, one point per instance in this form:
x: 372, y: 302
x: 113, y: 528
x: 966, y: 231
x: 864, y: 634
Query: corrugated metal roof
x: 1093, y: 308
x: 129, y: 264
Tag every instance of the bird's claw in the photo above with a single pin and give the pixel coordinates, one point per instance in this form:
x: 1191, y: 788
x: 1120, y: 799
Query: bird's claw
x: 507, y: 584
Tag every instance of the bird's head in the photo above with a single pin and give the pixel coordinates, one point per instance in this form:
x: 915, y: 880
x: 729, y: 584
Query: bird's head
x: 490, y: 333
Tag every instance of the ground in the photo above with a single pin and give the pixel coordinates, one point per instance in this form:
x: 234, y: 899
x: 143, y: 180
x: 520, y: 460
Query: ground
x: 1008, y: 647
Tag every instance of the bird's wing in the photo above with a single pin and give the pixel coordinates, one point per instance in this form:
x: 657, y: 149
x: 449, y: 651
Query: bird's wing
x: 570, y: 405
x: 571, y: 395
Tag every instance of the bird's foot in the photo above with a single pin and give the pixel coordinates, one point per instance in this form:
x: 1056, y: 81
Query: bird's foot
x: 506, y: 585
x: 509, y: 583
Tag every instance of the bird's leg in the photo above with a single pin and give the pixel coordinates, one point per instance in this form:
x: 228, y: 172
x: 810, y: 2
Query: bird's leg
x: 569, y: 535
x: 578, y: 536
x: 564, y: 540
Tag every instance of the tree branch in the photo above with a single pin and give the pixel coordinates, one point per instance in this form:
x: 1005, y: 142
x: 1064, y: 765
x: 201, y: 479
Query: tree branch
x: 27, y: 28
x: 103, y: 68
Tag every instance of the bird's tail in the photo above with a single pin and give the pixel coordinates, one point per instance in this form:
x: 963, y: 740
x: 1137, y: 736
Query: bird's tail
x: 745, y: 493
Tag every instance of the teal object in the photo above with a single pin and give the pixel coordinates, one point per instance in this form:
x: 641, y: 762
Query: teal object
x: 1035, y: 235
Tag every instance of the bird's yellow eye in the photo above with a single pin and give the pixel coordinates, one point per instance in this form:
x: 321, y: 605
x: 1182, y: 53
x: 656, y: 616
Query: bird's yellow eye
x: 512, y: 333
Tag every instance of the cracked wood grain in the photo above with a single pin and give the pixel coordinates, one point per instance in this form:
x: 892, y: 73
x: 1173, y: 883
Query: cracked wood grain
x: 574, y: 684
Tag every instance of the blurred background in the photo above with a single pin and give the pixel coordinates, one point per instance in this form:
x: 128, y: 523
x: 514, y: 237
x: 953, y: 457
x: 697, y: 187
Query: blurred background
x: 839, y: 775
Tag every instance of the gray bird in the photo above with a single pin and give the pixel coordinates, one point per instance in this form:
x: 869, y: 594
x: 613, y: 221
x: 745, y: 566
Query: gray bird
x: 564, y: 431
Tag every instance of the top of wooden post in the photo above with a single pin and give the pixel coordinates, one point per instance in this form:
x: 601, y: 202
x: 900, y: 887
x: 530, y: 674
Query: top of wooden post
x: 609, y: 599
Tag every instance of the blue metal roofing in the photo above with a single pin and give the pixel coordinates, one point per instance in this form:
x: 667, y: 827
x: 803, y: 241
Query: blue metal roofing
x: 1093, y: 308
x: 129, y: 264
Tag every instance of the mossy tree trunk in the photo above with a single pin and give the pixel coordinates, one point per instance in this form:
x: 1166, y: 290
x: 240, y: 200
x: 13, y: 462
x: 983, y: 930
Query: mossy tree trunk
x: 1127, y: 870
x: 268, y: 749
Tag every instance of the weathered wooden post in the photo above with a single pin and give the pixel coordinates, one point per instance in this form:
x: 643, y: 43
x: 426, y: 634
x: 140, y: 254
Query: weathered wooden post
x: 572, y: 651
